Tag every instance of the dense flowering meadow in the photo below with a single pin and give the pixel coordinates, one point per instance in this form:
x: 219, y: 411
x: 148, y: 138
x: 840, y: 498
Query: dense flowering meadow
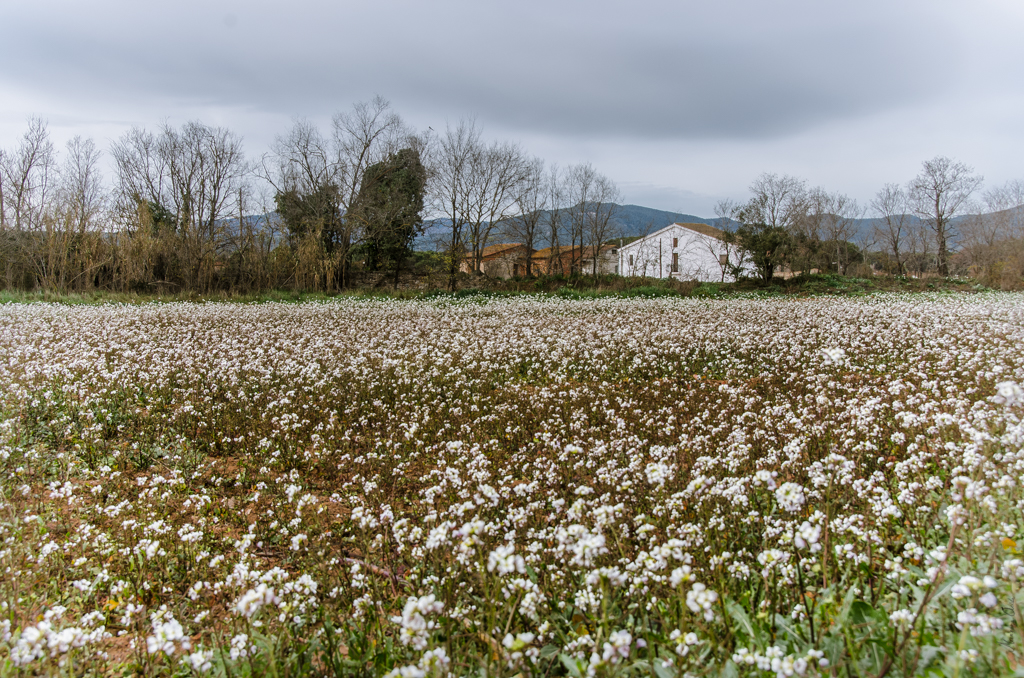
x: 750, y: 487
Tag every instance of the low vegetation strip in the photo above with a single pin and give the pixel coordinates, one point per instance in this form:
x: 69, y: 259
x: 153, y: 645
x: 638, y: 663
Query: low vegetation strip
x: 529, y: 486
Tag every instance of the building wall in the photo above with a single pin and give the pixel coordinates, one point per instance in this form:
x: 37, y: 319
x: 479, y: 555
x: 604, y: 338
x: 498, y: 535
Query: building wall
x: 506, y: 265
x: 607, y: 263
x: 562, y: 264
x: 696, y: 256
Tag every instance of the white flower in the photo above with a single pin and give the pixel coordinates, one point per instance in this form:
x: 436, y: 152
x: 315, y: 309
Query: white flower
x: 618, y: 647
x: 250, y: 602
x: 902, y: 618
x: 680, y: 575
x: 807, y: 535
x: 1013, y: 569
x: 790, y: 497
x: 978, y: 624
x: 518, y: 641
x: 433, y: 663
x: 834, y: 356
x: 701, y: 599
x: 166, y: 632
x: 414, y: 627
x: 1008, y: 393
x: 504, y: 560
x: 200, y: 660
x: 241, y: 648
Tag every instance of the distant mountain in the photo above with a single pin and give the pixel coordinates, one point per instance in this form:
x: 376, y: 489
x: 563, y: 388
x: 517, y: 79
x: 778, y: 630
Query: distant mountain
x: 629, y: 221
x: 634, y: 220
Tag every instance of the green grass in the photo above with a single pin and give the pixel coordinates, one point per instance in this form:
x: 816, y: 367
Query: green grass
x: 564, y: 287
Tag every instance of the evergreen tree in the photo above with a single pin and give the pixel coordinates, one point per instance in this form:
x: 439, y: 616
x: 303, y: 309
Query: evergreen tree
x: 389, y: 207
x: 311, y: 212
x: 767, y: 245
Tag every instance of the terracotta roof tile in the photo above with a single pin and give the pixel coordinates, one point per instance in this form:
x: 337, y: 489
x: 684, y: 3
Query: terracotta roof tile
x: 704, y: 229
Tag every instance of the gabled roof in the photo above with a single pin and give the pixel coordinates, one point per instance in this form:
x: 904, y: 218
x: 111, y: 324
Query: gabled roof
x: 569, y: 251
x: 703, y: 229
x: 494, y: 250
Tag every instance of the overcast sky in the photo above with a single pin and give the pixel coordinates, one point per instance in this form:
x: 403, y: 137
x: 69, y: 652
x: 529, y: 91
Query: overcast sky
x: 681, y: 103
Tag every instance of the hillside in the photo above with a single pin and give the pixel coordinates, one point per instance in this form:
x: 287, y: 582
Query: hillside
x: 630, y: 221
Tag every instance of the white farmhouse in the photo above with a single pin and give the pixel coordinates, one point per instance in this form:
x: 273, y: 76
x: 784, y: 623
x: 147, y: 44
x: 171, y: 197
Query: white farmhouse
x: 681, y: 251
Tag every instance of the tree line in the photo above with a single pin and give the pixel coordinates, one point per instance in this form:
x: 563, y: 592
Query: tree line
x: 188, y: 211
x: 940, y: 222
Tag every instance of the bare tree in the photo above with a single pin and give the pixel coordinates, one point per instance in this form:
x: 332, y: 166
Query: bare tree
x: 838, y: 214
x: 495, y: 174
x: 731, y: 257
x: 206, y: 167
x: 808, y: 251
x: 71, y: 247
x: 3, y: 185
x: 776, y: 201
x: 601, y: 223
x: 892, y: 228
x: 921, y: 257
x: 364, y: 136
x: 592, y: 206
x: 305, y: 169
x: 555, y: 222
x: 993, y: 241
x: 190, y: 177
x: 769, y: 218
x: 1005, y: 204
x: 28, y: 177
x: 938, y: 195
x: 317, y: 177
x: 531, y: 203
x: 81, y: 189
x: 141, y: 171
x: 578, y: 183
x: 450, y: 190
x: 50, y: 213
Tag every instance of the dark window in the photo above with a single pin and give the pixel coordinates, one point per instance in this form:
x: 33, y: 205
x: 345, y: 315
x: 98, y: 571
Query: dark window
x: 675, y: 242
x: 675, y: 262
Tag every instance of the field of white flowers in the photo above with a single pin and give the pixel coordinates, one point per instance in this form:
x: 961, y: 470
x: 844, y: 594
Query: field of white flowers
x: 749, y: 487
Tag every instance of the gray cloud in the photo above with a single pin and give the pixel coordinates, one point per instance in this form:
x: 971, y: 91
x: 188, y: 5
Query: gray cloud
x: 659, y: 72
x: 597, y: 73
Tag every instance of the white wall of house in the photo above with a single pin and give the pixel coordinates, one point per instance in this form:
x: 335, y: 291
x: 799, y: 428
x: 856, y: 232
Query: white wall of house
x: 677, y: 252
x: 607, y: 262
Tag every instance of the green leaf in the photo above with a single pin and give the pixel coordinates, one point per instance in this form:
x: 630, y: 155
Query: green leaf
x: 787, y: 629
x: 548, y: 651
x: 844, y: 612
x: 531, y: 574
x: 742, y: 619
x: 571, y: 665
x: 861, y: 613
x: 833, y: 647
x: 928, y: 655
x: 730, y: 670
x: 663, y: 670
